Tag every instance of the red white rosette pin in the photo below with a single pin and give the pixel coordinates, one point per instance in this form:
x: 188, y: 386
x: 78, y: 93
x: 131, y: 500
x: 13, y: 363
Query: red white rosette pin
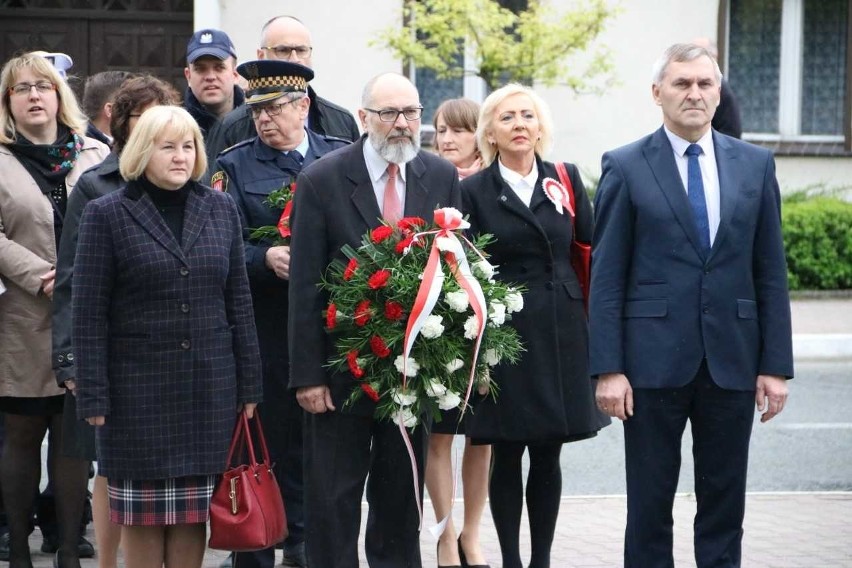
x: 557, y: 194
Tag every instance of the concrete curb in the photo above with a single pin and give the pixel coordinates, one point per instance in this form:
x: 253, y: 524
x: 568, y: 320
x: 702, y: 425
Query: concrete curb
x: 822, y: 346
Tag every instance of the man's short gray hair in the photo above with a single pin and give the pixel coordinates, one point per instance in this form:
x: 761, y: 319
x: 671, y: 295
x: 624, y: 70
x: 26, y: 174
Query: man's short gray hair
x: 679, y: 53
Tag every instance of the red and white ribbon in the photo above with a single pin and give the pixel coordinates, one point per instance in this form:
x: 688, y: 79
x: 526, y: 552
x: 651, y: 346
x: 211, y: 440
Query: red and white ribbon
x: 558, y: 195
x: 446, y: 245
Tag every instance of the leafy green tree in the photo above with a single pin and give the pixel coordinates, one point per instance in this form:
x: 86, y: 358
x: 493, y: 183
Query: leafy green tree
x: 537, y: 44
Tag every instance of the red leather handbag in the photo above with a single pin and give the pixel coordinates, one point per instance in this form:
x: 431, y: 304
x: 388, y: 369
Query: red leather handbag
x: 581, y: 253
x: 247, y: 511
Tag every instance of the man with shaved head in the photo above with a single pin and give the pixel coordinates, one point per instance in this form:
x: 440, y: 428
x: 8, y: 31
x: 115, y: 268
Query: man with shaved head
x: 288, y: 39
x: 341, y: 197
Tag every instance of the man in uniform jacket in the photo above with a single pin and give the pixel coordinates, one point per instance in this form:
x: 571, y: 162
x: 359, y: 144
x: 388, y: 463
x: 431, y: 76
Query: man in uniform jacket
x: 250, y: 171
x: 339, y: 199
x: 284, y: 38
x: 689, y: 314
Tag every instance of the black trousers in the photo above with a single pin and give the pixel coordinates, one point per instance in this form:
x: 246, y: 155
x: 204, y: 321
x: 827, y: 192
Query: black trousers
x: 341, y: 450
x: 721, y: 423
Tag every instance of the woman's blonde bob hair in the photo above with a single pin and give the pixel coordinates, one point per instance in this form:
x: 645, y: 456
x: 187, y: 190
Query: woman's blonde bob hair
x: 69, y: 112
x: 155, y: 124
x: 486, y: 121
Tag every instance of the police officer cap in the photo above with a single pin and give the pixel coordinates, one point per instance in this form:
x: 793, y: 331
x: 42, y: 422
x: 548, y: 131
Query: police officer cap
x: 269, y: 79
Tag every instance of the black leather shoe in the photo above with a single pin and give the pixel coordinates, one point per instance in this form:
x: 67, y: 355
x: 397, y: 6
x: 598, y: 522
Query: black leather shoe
x: 85, y: 549
x: 294, y: 556
x: 463, y: 559
x: 438, y: 555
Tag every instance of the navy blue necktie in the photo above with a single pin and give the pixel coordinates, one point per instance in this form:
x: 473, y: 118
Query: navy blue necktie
x: 695, y: 190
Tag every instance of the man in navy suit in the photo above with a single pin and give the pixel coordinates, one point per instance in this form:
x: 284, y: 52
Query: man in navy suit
x: 689, y: 314
x: 340, y: 198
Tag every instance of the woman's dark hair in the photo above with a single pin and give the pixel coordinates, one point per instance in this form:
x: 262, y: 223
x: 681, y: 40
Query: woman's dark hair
x: 136, y: 93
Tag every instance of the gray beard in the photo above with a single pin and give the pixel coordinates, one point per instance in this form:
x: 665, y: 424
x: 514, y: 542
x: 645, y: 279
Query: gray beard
x: 396, y: 152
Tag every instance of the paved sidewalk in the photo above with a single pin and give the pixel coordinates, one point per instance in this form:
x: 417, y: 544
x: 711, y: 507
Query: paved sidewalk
x: 822, y: 328
x: 782, y: 530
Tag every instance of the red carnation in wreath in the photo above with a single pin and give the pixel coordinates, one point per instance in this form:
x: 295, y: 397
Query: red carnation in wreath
x: 379, y: 279
x: 362, y: 313
x: 331, y: 316
x: 393, y: 310
x: 370, y: 392
x: 350, y: 269
x: 381, y: 233
x: 352, y: 359
x: 379, y: 347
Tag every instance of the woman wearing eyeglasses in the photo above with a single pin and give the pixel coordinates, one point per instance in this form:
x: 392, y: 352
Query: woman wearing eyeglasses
x: 42, y: 153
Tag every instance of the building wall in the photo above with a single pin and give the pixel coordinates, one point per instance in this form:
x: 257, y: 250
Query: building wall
x: 343, y: 61
x: 586, y: 124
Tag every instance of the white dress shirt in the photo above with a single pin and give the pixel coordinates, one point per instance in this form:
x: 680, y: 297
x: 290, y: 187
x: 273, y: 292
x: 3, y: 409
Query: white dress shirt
x: 709, y: 173
x: 377, y: 167
x: 523, y: 186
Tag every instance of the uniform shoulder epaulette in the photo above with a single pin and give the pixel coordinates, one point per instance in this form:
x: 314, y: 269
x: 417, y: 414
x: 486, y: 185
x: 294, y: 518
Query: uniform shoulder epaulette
x: 235, y: 146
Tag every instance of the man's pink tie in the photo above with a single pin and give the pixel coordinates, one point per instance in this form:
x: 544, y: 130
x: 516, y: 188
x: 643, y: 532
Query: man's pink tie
x: 391, y: 209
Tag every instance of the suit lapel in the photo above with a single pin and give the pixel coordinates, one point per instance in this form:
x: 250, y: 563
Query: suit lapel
x: 363, y: 196
x: 660, y: 157
x: 145, y: 213
x: 195, y: 216
x: 416, y: 192
x: 728, y: 187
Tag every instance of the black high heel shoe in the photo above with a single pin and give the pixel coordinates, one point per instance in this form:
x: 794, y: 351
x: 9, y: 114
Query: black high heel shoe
x: 463, y: 558
x: 438, y: 556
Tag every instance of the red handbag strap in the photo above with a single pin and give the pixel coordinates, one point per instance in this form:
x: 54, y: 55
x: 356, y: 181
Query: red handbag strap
x: 562, y: 171
x: 236, y: 440
x: 242, y: 435
x: 264, y: 449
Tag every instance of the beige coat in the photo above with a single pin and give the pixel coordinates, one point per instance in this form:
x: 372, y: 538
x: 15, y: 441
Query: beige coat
x: 28, y: 250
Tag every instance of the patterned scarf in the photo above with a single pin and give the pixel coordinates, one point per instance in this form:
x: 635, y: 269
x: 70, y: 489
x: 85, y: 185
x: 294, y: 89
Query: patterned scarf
x: 49, y: 163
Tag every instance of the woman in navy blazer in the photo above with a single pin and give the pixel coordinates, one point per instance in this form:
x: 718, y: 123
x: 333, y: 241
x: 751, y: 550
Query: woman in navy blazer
x: 164, y: 337
x: 547, y: 399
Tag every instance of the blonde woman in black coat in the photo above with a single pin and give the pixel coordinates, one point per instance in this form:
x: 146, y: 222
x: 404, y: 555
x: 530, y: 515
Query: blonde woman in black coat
x: 547, y: 399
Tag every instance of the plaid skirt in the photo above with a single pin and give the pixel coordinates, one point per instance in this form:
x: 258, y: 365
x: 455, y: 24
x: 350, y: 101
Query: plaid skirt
x: 174, y: 501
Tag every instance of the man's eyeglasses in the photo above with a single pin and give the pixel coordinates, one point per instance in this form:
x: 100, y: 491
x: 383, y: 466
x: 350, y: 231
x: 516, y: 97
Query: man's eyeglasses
x: 284, y: 51
x: 391, y: 114
x: 42, y: 87
x: 271, y: 110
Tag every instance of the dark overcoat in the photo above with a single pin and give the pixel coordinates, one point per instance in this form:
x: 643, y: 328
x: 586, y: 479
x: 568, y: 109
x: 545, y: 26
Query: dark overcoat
x: 95, y: 182
x: 548, y: 395
x: 336, y: 205
x: 163, y: 333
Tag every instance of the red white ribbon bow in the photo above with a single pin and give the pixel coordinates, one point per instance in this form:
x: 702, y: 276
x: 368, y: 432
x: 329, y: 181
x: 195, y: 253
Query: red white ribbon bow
x: 446, y: 245
x: 558, y: 195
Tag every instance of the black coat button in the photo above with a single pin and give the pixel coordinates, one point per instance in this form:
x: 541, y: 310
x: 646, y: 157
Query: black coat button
x: 185, y: 344
x: 184, y: 308
x: 549, y: 285
x: 706, y: 310
x: 184, y: 271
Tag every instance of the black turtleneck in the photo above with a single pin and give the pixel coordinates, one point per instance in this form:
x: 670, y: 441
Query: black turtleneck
x: 170, y: 203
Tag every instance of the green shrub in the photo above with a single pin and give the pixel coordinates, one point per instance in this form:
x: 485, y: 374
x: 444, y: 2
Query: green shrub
x: 818, y: 241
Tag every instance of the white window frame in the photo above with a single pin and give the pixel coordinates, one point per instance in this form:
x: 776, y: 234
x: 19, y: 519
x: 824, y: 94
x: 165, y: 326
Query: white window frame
x: 790, y: 79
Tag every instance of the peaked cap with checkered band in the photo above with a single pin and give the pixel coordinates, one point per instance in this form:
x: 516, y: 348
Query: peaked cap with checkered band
x: 269, y: 79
